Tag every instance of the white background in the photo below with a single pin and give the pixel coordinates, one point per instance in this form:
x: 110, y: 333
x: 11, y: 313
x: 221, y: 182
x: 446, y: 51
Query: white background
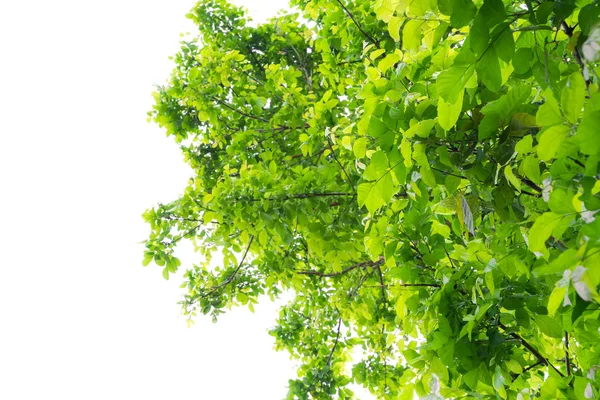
x: 80, y: 318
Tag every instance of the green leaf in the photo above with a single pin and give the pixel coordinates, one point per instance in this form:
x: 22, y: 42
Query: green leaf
x: 440, y: 229
x: 360, y: 147
x: 479, y: 35
x: 522, y: 60
x: 376, y: 127
x: 492, y: 12
x: 573, y: 97
x: 549, y: 113
x: 411, y: 35
x: 377, y: 167
x: 463, y: 12
x: 451, y: 83
x: 488, y: 70
x: 541, y: 230
x: 561, y: 202
x: 394, y: 28
x: 564, y: 261
x: 588, y: 17
x: 499, y: 382
x: 524, y: 146
x: 470, y: 378
x: 505, y: 42
x: 556, y: 299
x: 428, y: 176
x: 587, y: 134
x: 388, y: 62
x: 531, y: 169
x: 510, y: 176
x: 550, y: 141
x: 448, y: 113
x: 548, y: 326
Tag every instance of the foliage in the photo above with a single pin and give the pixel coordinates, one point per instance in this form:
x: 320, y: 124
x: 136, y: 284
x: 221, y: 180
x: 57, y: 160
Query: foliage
x: 422, y: 176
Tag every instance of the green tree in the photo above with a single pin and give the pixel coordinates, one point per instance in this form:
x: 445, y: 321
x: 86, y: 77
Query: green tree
x: 422, y: 176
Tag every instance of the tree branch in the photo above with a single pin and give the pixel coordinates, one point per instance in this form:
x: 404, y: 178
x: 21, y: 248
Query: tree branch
x: 531, y: 349
x: 349, y: 14
x: 344, y: 271
x: 337, y: 339
x: 228, y: 280
x: 300, y: 196
x: 340, y: 164
x: 382, y: 283
x: 567, y: 360
x: 238, y: 111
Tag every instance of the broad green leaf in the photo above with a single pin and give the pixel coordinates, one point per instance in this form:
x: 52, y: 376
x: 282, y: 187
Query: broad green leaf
x: 522, y: 59
x: 510, y: 176
x: 550, y: 141
x: 376, y: 127
x: 587, y: 134
x: 542, y: 229
x: 561, y: 202
x: 439, y: 228
x: 531, y: 169
x: 492, y: 12
x: 388, y: 62
x: 428, y: 176
x: 504, y: 43
x: 411, y: 35
x: 360, y: 147
x: 448, y: 113
x: 451, y: 83
x: 548, y: 326
x: 394, y: 28
x: 377, y: 167
x: 470, y: 378
x: 549, y: 113
x: 499, y: 382
x: 573, y: 97
x: 488, y: 70
x: 479, y: 35
x: 524, y: 146
x: 556, y: 299
x: 463, y: 12
x: 564, y: 261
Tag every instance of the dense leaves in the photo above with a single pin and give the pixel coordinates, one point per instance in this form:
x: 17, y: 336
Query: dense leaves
x: 421, y: 176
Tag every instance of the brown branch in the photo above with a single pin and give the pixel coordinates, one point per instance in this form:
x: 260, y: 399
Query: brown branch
x: 567, y: 360
x: 569, y: 31
x: 531, y: 349
x: 344, y: 271
x: 527, y: 369
x: 337, y: 339
x: 448, y: 173
x: 349, y: 13
x: 341, y: 166
x: 300, y: 196
x: 382, y: 284
x: 229, y: 106
x: 531, y: 184
x: 228, y: 280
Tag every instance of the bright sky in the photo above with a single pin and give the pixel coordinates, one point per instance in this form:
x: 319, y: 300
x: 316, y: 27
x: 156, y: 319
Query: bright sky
x: 80, y: 318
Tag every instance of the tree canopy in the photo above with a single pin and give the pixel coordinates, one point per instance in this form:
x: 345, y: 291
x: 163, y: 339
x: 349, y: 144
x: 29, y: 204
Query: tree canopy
x: 421, y: 176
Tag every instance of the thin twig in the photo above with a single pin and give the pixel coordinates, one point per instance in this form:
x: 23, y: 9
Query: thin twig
x: 375, y: 42
x: 567, y: 360
x: 337, y: 339
x: 344, y: 271
x: 340, y: 164
x: 531, y: 349
x: 228, y: 280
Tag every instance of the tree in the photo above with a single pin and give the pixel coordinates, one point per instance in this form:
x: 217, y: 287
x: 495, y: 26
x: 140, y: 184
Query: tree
x: 422, y: 176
